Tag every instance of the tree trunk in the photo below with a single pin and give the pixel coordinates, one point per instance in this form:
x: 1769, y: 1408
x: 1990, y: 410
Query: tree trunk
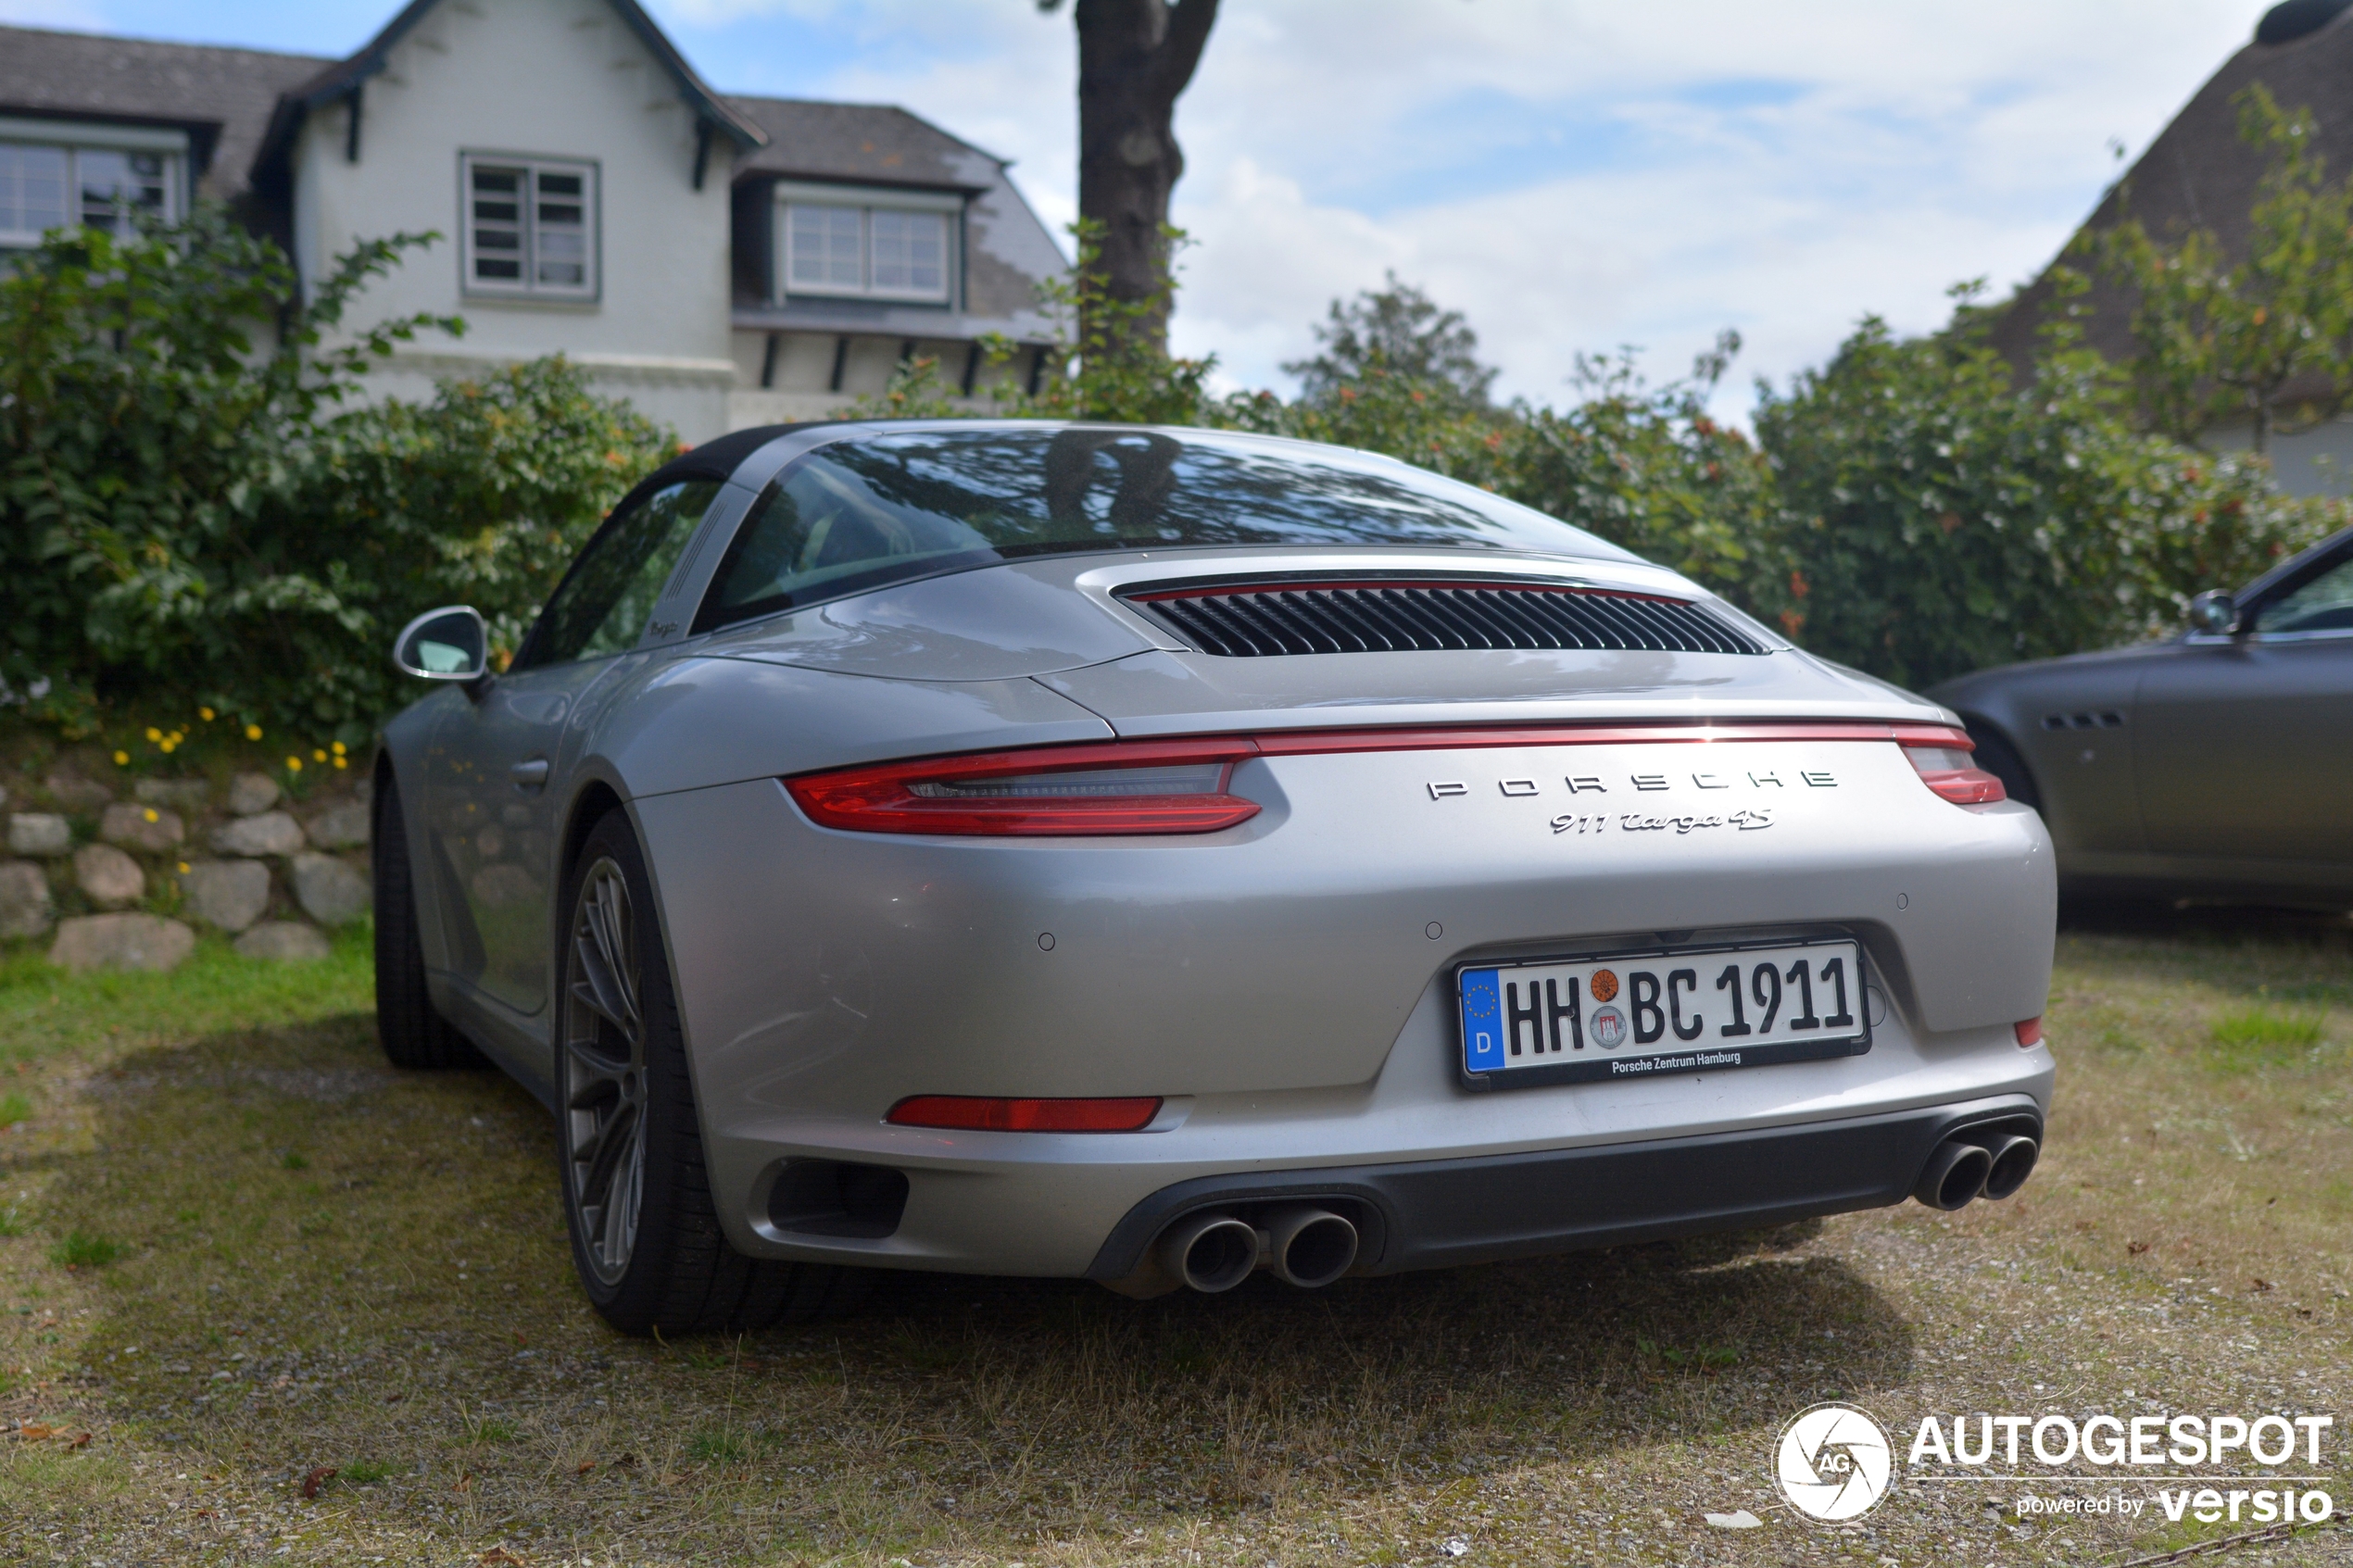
x: 1134, y: 56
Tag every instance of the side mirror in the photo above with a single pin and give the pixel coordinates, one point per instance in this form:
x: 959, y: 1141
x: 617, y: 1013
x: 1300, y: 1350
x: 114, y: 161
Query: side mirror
x: 2214, y: 614
x: 448, y: 644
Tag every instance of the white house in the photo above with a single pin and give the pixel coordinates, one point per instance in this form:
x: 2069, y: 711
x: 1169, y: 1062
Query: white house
x: 722, y: 261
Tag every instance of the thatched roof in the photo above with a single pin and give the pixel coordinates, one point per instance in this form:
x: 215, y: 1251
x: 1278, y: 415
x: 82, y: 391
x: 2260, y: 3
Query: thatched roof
x: 2198, y: 174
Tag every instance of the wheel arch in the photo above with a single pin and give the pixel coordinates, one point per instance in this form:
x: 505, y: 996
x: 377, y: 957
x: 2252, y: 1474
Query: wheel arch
x: 596, y: 795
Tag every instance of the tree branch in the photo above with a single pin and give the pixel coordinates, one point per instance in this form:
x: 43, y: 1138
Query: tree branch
x: 1179, y: 52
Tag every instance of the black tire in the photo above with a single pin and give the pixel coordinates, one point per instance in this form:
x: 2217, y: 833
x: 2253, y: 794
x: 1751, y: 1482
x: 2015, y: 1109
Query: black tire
x: 414, y: 1034
x: 1999, y: 758
x: 621, y: 1063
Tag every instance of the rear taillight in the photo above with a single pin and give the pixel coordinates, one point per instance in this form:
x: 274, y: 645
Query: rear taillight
x: 1120, y: 787
x: 979, y: 1113
x: 2028, y: 1032
x: 1943, y: 765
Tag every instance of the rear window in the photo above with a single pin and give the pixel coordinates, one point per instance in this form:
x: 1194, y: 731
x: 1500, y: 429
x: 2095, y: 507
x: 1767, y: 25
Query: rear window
x: 861, y: 513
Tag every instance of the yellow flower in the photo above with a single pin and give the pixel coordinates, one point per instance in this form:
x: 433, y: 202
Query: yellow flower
x: 169, y: 745
x: 343, y: 761
x: 253, y: 732
x: 183, y: 868
x: 150, y: 814
x: 317, y: 755
x: 293, y: 764
x: 154, y: 734
x: 206, y: 714
x: 122, y: 759
x: 339, y: 749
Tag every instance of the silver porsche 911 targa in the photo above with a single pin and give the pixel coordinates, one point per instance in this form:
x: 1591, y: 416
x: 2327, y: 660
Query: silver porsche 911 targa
x: 1152, y: 856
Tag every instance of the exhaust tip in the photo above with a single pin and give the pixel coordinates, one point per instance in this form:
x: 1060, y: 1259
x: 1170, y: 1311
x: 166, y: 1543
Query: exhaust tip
x: 1210, y: 1252
x: 1310, y: 1246
x: 2013, y: 1161
x: 1956, y: 1174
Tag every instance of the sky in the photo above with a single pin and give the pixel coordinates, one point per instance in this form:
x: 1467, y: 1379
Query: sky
x: 1572, y: 175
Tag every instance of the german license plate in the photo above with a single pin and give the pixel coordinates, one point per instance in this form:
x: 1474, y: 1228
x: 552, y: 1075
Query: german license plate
x: 1643, y: 1014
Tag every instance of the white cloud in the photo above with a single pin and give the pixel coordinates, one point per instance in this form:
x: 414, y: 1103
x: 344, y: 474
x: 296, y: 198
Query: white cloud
x: 78, y: 16
x: 1574, y: 174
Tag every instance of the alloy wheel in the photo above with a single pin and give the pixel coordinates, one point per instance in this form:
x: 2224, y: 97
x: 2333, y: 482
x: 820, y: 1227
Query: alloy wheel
x: 604, y: 1071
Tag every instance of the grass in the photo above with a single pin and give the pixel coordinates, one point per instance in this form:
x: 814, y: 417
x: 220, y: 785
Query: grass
x: 2249, y: 1038
x: 80, y: 1249
x: 44, y: 1011
x: 1696, y: 1358
x: 404, y: 1294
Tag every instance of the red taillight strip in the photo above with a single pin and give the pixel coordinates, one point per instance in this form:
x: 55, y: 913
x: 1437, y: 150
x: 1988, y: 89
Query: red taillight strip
x: 880, y: 797
x: 1308, y: 743
x: 979, y: 1113
x: 1962, y: 786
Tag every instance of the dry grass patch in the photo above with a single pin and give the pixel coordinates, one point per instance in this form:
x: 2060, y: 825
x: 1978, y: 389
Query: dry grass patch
x: 340, y: 1326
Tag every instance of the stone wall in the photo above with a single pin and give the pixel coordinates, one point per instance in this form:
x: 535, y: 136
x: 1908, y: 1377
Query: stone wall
x: 122, y: 873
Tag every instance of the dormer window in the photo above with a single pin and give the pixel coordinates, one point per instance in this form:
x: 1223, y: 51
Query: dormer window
x: 843, y: 243
x: 51, y: 183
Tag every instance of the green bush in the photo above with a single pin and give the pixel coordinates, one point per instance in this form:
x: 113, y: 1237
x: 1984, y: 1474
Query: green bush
x: 481, y: 496
x: 1937, y: 517
x: 191, y: 523
x: 1911, y: 509
x: 187, y: 517
x: 1644, y: 467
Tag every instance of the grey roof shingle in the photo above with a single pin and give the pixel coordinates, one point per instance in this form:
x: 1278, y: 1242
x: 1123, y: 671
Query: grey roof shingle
x: 873, y: 143
x: 48, y: 74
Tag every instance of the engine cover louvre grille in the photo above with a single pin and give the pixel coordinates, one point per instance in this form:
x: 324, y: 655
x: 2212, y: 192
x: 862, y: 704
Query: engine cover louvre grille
x: 1254, y: 619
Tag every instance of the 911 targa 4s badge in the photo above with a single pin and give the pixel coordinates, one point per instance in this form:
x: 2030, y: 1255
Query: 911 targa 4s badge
x: 1155, y: 856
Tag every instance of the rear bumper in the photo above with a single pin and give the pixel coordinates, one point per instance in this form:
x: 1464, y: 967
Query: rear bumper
x: 1440, y: 1213
x: 1286, y: 986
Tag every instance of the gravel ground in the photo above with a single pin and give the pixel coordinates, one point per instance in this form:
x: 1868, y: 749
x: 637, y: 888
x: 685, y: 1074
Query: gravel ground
x: 337, y: 1325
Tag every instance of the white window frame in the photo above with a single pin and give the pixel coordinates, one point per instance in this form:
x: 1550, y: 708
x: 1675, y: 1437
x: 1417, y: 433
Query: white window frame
x: 74, y: 139
x: 867, y: 201
x: 530, y: 286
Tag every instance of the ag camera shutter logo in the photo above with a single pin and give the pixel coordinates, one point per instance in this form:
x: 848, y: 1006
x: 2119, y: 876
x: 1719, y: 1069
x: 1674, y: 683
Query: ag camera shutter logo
x: 1833, y: 1463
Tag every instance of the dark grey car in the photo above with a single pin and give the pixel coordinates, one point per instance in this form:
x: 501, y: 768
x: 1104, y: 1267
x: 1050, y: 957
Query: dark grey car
x: 2219, y: 764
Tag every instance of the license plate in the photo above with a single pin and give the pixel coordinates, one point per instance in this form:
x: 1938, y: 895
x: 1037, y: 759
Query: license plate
x: 1643, y: 1014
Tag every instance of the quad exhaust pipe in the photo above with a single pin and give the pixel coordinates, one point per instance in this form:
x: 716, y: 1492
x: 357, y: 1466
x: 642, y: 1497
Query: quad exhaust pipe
x: 1301, y: 1244
x: 1309, y: 1246
x: 1975, y: 1165
x: 2014, y: 1157
x: 1210, y: 1252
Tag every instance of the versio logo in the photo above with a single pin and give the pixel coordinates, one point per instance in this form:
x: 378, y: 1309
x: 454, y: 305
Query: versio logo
x: 1833, y: 1463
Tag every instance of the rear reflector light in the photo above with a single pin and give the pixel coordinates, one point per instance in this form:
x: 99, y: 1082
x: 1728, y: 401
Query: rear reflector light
x: 1943, y: 765
x: 1122, y: 787
x: 977, y: 1113
x: 2028, y: 1032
